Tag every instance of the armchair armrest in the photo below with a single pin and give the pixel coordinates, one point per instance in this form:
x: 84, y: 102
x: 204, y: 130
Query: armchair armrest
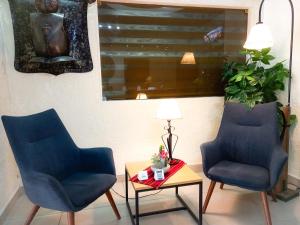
x: 278, y: 159
x: 46, y: 191
x: 98, y: 160
x: 211, y: 154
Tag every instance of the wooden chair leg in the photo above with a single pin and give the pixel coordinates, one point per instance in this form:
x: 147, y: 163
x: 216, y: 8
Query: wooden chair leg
x: 113, y: 204
x: 222, y: 186
x: 264, y: 199
x: 209, y: 193
x: 33, y: 212
x: 274, y: 198
x: 71, y: 218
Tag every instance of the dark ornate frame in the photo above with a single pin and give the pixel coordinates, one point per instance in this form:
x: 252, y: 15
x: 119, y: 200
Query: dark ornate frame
x: 75, y: 22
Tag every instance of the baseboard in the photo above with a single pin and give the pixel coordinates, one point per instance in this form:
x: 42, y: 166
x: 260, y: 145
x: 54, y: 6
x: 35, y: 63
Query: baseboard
x: 3, y: 215
x: 196, y: 167
x: 294, y: 181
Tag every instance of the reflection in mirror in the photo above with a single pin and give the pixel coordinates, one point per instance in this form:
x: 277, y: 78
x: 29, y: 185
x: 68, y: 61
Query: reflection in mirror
x: 165, y: 51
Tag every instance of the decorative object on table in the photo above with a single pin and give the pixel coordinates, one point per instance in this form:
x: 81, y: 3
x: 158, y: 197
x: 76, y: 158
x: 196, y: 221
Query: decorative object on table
x: 56, y: 173
x: 169, y: 110
x: 142, y: 175
x: 246, y: 152
x: 51, y: 36
x: 174, y: 167
x: 161, y: 160
x: 260, y: 37
x: 159, y: 174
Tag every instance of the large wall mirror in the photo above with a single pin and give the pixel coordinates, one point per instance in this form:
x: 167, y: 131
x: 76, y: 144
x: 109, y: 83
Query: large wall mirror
x: 152, y: 51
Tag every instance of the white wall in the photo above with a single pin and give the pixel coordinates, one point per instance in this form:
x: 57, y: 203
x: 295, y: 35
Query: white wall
x: 277, y: 14
x: 8, y: 172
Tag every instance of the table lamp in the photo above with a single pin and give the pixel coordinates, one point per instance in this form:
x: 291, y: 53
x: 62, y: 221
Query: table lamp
x: 188, y: 58
x: 169, y: 110
x: 141, y: 96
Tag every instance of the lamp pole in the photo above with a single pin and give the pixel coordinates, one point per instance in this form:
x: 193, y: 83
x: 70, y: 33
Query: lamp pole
x: 291, y: 44
x: 283, y: 193
x: 169, y: 140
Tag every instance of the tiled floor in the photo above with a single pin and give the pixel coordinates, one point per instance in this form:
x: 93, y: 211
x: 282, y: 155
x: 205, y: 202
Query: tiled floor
x: 231, y: 206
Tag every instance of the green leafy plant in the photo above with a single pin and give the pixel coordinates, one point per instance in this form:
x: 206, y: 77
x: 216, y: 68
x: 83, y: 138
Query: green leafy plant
x: 250, y: 82
x: 161, y: 159
x: 255, y: 80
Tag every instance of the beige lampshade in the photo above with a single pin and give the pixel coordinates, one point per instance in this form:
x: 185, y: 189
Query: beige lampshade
x: 168, y: 110
x: 141, y: 96
x: 260, y: 37
x: 188, y: 58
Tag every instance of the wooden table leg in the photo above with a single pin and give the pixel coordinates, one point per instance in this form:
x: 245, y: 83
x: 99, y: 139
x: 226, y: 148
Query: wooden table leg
x: 137, y: 209
x: 200, y: 203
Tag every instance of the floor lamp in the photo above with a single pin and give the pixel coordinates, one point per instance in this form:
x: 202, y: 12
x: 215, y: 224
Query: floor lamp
x: 260, y: 37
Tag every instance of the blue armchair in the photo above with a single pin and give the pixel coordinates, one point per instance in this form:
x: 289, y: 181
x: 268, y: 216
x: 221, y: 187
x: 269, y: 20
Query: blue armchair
x: 246, y: 152
x: 56, y: 173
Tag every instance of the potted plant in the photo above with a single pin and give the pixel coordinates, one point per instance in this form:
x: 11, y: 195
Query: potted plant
x: 256, y: 80
x: 160, y: 160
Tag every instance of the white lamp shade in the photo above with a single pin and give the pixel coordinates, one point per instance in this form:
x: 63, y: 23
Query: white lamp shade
x: 188, y: 58
x: 260, y: 37
x: 141, y: 96
x: 168, y: 110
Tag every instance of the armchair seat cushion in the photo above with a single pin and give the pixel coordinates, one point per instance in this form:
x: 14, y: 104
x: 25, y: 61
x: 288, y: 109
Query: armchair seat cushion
x: 83, y: 187
x: 243, y: 175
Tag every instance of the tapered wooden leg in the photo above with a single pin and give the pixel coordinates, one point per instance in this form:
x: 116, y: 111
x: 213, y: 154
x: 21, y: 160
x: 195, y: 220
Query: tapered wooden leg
x: 71, y: 218
x: 222, y: 186
x: 33, y: 212
x: 209, y: 193
x: 274, y: 198
x: 264, y: 199
x: 113, y: 205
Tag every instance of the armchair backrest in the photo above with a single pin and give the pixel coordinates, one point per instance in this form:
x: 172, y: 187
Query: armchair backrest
x: 249, y: 135
x: 41, y: 143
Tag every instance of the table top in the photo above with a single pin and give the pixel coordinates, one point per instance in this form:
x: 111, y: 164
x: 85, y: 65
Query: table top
x: 183, y: 176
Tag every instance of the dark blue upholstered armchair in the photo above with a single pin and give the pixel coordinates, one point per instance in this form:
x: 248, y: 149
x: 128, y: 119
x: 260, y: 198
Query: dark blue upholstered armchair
x: 56, y: 173
x: 246, y: 152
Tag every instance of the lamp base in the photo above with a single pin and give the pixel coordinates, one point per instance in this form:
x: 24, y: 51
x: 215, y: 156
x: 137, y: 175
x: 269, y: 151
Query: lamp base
x: 288, y: 194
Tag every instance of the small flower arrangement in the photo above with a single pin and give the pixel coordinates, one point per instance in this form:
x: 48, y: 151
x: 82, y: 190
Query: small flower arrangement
x: 161, y: 159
